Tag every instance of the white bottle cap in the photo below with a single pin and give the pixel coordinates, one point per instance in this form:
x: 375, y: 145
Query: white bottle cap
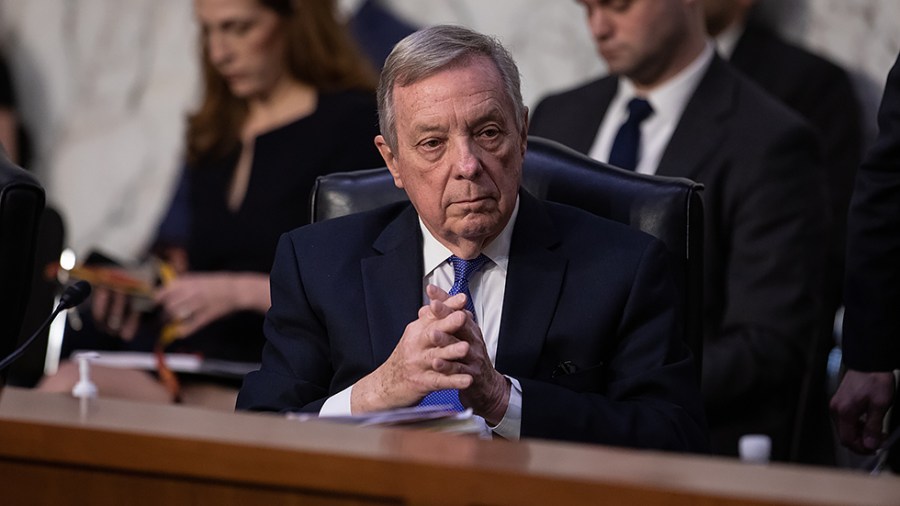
x: 755, y: 448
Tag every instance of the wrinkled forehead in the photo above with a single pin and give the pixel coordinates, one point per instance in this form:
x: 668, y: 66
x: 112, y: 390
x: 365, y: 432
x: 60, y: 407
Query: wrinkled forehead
x: 470, y: 76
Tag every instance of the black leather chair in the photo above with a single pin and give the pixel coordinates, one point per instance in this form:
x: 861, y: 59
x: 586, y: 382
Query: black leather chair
x: 667, y: 208
x: 29, y: 368
x: 21, y: 204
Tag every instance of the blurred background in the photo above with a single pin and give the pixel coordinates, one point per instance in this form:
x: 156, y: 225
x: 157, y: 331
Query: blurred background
x: 102, y: 87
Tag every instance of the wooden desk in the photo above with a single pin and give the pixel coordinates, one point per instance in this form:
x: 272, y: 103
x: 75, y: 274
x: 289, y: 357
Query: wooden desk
x: 55, y: 451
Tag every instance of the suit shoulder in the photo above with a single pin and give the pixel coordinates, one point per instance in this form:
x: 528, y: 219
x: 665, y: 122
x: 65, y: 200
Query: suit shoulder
x: 561, y: 116
x: 757, y: 109
x: 575, y: 97
x: 779, y: 55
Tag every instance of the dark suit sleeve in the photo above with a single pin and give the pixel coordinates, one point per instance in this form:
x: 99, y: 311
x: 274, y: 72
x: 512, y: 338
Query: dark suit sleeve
x: 295, y: 341
x: 872, y: 289
x: 651, y: 398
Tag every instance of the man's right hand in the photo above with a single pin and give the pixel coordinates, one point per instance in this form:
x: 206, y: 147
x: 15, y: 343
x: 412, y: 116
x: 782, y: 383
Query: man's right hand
x: 420, y: 363
x: 858, y: 408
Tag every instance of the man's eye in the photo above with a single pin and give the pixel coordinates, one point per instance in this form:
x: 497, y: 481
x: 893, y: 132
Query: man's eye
x: 242, y: 28
x: 619, y: 5
x: 490, y: 134
x: 431, y: 144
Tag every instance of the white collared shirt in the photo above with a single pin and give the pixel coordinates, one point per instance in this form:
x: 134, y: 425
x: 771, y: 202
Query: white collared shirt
x: 668, y: 101
x: 488, y: 287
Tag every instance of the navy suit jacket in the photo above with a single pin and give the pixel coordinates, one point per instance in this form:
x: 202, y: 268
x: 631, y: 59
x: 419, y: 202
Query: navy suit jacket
x: 579, y: 288
x: 765, y: 219
x: 822, y: 93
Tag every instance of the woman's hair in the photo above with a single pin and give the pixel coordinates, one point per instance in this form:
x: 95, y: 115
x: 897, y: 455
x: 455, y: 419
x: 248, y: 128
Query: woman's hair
x: 436, y: 48
x: 319, y: 52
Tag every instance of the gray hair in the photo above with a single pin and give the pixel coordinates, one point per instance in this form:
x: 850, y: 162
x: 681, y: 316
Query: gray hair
x: 437, y: 48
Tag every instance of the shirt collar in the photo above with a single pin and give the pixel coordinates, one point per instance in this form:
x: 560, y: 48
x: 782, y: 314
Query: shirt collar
x: 435, y: 253
x: 727, y: 41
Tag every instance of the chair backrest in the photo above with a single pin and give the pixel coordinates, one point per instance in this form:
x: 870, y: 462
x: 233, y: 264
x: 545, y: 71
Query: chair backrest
x: 29, y: 368
x: 668, y: 208
x: 21, y: 204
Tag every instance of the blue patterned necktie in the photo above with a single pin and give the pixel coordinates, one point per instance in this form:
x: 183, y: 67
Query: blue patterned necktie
x: 462, y: 269
x: 624, y: 152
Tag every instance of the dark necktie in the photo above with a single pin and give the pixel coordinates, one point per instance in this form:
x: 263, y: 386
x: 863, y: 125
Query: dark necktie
x: 462, y: 269
x: 624, y: 152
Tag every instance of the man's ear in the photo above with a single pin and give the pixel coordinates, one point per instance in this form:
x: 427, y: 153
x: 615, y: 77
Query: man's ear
x: 389, y: 159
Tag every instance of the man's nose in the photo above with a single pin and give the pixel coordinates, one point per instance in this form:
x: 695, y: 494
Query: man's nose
x: 599, y: 23
x: 466, y: 161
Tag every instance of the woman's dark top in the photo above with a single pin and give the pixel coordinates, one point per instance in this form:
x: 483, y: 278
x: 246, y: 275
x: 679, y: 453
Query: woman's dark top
x: 337, y: 136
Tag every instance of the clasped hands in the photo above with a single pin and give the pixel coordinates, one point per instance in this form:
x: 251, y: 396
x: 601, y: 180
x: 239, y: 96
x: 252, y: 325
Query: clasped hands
x: 442, y: 349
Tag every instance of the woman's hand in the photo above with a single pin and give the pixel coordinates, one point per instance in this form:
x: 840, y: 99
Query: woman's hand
x: 113, y: 313
x: 195, y: 300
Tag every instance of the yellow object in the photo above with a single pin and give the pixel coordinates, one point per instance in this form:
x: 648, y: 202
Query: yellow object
x: 169, y: 332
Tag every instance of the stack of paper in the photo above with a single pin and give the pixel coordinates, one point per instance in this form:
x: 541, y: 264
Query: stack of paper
x: 436, y: 418
x: 177, y: 362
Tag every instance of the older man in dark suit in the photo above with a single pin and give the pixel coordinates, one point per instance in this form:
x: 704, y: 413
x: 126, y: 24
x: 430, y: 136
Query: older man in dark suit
x: 362, y: 318
x: 672, y: 107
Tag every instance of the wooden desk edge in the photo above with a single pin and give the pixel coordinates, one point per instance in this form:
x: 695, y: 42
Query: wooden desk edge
x: 397, y: 465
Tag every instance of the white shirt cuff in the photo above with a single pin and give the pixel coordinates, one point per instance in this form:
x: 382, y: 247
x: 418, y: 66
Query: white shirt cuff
x: 510, y: 427
x: 338, y: 404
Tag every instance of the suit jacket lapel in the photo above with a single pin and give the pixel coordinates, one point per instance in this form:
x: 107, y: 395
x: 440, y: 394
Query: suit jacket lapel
x: 700, y: 129
x: 533, y: 285
x: 392, y: 283
x: 596, y: 102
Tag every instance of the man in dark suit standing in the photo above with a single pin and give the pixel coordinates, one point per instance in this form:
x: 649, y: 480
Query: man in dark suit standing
x: 814, y: 87
x: 764, y: 199
x: 821, y: 92
x: 563, y: 325
x: 872, y: 290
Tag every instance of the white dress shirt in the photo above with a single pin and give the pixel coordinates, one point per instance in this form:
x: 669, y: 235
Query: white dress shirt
x: 668, y: 101
x: 487, y: 287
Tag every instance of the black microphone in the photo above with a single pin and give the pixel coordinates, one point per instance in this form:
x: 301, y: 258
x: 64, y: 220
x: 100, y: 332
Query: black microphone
x: 74, y: 295
x: 71, y: 297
